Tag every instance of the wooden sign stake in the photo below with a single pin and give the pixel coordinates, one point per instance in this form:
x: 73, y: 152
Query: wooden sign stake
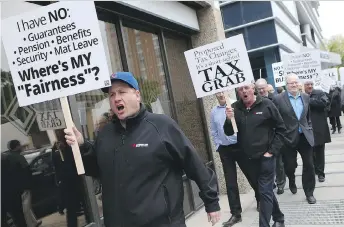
x: 234, y: 124
x: 69, y: 124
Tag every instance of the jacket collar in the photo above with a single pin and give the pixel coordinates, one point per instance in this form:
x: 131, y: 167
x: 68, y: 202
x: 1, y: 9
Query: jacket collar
x: 240, y: 104
x: 131, y: 121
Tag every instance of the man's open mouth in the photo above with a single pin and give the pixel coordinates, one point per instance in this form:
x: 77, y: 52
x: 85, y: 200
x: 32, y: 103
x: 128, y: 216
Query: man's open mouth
x: 120, y: 107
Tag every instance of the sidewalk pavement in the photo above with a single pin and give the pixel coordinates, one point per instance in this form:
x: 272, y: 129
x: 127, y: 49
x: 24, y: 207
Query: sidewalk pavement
x: 328, y: 211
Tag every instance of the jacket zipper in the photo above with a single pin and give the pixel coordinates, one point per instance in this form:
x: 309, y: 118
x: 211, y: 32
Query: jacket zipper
x: 167, y: 204
x: 121, y: 224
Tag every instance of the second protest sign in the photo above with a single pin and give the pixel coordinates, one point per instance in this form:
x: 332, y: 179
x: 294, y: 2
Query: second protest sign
x: 219, y: 66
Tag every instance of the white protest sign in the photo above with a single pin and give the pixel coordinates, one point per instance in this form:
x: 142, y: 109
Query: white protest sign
x: 321, y: 82
x: 341, y: 73
x: 55, y: 51
x: 50, y: 120
x: 331, y: 75
x: 278, y: 71
x: 306, y: 65
x: 219, y: 66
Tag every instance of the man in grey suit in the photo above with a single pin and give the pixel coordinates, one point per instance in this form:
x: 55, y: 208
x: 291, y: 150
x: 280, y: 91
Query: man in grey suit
x: 294, y: 109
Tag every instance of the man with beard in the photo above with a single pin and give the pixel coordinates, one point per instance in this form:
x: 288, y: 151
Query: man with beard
x: 230, y: 154
x: 260, y: 135
x: 293, y: 106
x: 141, y: 158
x: 318, y: 104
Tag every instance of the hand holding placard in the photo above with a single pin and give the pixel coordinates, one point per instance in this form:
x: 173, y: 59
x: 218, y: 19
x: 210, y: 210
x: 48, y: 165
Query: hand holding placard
x: 70, y: 125
x: 230, y: 114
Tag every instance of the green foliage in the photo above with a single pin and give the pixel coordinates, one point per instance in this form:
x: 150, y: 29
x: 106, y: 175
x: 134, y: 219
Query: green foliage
x: 150, y: 89
x: 336, y: 44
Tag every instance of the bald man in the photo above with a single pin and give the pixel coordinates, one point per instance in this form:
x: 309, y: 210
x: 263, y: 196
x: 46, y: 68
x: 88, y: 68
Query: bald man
x: 263, y: 89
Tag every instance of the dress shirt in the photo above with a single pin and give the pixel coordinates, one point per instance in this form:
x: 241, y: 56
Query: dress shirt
x: 217, y: 120
x: 297, y: 105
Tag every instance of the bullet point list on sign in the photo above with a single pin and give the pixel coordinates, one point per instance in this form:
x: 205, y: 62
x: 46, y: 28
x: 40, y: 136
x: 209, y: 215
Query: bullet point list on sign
x: 52, y: 41
x: 15, y: 52
x: 24, y: 39
x: 51, y: 52
x: 14, y: 63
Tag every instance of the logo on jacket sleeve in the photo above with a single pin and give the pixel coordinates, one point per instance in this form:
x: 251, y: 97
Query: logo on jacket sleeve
x: 140, y: 145
x: 259, y: 112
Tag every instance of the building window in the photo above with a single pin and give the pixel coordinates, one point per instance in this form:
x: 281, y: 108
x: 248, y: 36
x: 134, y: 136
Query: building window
x: 257, y: 35
x: 231, y: 15
x: 255, y: 10
x: 312, y: 34
x: 93, y: 106
x: 147, y: 69
x: 56, y: 189
x: 243, y: 12
x: 304, y: 40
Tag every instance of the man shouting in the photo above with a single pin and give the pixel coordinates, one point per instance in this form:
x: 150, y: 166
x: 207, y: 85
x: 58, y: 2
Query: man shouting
x: 140, y: 158
x: 260, y: 135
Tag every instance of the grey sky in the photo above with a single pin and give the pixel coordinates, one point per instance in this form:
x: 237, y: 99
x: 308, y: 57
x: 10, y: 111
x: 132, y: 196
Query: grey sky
x: 331, y: 18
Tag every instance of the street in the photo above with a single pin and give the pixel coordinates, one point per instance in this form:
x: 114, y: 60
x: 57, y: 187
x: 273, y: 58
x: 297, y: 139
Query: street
x: 328, y: 211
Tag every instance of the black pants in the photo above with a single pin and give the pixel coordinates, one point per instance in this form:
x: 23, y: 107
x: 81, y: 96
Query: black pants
x: 14, y: 207
x: 335, y: 122
x: 290, y: 164
x: 265, y: 169
x: 72, y: 196
x: 280, y: 173
x: 229, y: 156
x: 319, y: 160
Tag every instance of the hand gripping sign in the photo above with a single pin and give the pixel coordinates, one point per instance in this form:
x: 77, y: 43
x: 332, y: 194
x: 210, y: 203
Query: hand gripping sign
x: 220, y: 66
x: 54, y: 52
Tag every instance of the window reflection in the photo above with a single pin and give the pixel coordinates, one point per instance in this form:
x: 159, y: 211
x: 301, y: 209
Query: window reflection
x: 31, y: 190
x: 93, y: 106
x: 144, y: 60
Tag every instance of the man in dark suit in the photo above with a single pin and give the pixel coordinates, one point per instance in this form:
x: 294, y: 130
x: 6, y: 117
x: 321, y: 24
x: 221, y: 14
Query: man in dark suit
x: 318, y: 104
x: 294, y: 109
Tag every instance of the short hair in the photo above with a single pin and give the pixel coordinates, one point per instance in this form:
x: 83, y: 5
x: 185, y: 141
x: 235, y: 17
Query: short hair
x: 13, y: 144
x: 280, y: 90
x: 291, y: 75
x: 261, y: 81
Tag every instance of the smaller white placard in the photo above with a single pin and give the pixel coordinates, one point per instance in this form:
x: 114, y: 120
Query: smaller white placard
x: 341, y: 73
x: 331, y: 74
x: 219, y: 66
x: 50, y: 120
x: 278, y: 71
x: 306, y: 65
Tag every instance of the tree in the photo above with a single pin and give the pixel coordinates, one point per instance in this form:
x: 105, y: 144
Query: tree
x: 336, y: 44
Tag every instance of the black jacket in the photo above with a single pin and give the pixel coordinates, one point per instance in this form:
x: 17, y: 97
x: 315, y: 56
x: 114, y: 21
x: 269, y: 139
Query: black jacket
x: 335, y: 100
x: 260, y: 129
x: 141, y: 170
x: 318, y: 103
